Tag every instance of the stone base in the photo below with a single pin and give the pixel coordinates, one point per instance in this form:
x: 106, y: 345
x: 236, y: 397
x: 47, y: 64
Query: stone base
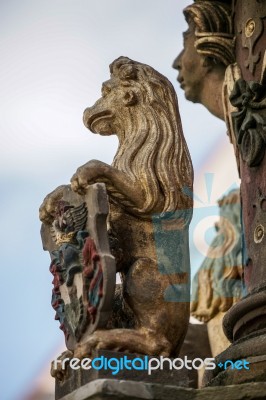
x: 102, y: 389
x: 253, y: 350
x: 80, y: 378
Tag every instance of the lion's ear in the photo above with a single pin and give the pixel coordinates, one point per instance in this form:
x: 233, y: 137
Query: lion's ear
x: 130, y: 98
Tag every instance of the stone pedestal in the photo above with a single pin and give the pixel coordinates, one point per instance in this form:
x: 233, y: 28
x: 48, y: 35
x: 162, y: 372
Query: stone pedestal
x: 102, y: 389
x: 244, y: 325
x: 79, y: 378
x: 161, y: 384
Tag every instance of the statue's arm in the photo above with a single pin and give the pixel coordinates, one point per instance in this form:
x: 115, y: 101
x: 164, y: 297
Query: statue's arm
x: 117, y: 182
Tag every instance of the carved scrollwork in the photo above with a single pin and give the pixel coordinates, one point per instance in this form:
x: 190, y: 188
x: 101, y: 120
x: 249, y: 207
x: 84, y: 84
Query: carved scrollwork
x: 251, y: 28
x: 252, y: 32
x: 250, y: 120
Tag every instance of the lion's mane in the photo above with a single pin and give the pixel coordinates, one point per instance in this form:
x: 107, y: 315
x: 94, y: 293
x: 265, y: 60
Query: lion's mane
x: 154, y: 150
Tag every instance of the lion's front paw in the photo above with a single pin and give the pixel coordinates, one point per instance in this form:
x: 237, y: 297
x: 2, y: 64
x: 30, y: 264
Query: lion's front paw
x: 59, y: 366
x: 49, y: 204
x: 86, y: 175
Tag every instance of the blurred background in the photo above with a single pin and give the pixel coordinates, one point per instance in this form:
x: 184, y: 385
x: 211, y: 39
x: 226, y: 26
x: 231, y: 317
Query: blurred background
x: 54, y: 58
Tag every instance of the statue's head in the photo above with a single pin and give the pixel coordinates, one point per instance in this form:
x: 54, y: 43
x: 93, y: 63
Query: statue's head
x: 140, y: 106
x: 208, y: 45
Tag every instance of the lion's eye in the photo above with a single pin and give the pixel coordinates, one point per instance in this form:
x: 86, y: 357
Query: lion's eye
x: 105, y: 90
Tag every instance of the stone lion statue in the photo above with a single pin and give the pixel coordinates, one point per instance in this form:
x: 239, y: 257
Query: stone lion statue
x: 148, y: 186
x: 217, y: 284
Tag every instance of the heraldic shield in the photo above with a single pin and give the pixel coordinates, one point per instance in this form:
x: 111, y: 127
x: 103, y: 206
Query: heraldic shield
x: 82, y: 266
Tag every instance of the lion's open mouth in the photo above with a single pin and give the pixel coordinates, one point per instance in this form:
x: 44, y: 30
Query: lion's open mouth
x: 92, y: 120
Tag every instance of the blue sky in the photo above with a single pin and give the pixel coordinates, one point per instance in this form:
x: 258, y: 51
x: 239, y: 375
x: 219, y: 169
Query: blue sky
x: 54, y: 57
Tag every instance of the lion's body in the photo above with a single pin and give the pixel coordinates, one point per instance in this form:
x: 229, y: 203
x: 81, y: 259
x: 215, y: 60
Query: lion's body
x: 150, y: 174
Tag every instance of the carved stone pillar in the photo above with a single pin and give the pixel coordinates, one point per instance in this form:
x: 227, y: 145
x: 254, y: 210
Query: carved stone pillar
x: 245, y: 322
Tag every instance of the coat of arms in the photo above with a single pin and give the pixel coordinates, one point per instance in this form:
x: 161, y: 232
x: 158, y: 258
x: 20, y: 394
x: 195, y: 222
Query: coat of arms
x: 81, y: 263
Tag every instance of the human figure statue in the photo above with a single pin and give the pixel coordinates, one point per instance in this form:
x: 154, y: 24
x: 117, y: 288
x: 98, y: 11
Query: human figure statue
x: 208, y: 50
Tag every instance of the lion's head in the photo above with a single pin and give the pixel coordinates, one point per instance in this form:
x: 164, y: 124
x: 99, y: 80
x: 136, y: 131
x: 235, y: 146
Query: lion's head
x: 140, y: 106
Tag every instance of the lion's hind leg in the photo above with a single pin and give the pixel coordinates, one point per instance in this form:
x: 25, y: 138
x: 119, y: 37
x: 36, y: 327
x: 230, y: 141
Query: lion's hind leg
x: 160, y: 325
x: 125, y: 340
x: 164, y: 321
